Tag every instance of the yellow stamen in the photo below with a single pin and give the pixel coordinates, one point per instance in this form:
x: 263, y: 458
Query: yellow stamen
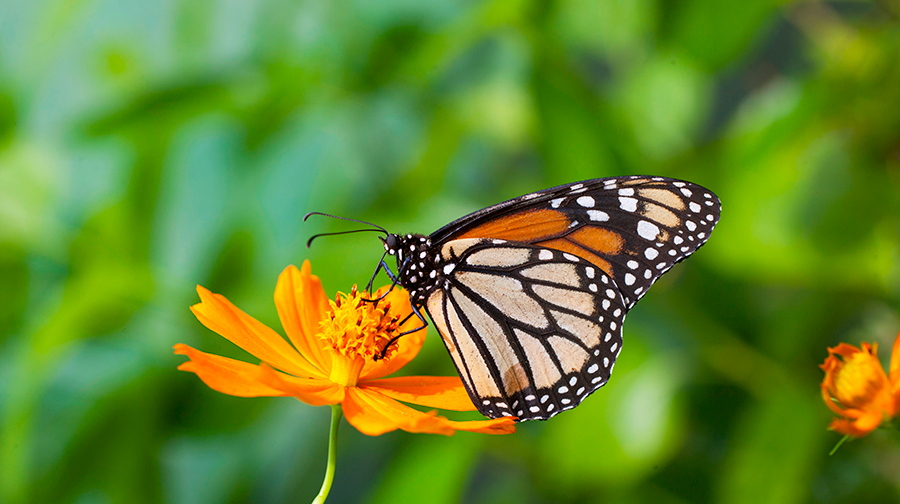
x: 859, y: 381
x: 356, y: 331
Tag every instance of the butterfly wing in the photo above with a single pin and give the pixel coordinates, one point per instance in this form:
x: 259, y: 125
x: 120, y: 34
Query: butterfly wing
x: 532, y: 330
x: 633, y: 228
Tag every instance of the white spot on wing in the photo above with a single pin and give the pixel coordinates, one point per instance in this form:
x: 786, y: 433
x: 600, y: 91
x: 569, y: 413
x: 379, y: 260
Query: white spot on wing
x: 585, y: 201
x: 597, y: 215
x: 628, y: 204
x: 647, y: 230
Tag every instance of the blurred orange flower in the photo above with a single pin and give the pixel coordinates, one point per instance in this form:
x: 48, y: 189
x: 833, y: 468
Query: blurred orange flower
x: 332, y: 358
x: 857, y: 389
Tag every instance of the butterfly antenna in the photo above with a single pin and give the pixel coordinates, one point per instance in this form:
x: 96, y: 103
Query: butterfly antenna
x: 313, y: 237
x: 376, y: 226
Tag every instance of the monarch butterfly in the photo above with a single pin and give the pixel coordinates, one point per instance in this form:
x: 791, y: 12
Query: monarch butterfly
x: 529, y: 295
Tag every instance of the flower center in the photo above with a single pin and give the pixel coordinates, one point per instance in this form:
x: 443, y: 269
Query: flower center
x: 356, y: 331
x: 859, y: 381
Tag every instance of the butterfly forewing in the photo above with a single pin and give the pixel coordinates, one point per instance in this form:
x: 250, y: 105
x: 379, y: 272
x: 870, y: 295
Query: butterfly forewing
x: 532, y: 330
x: 634, y: 228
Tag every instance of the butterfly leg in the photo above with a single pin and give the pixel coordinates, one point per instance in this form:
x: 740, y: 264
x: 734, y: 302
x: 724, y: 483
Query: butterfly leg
x: 417, y: 313
x: 395, y: 279
x: 381, y: 264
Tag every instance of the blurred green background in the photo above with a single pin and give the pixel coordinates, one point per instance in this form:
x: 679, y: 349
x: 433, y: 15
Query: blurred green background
x: 146, y: 147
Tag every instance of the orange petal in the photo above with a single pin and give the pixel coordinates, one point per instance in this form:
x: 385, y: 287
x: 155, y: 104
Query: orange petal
x: 858, y: 428
x: 312, y: 391
x: 374, y: 414
x: 301, y: 303
x: 368, y: 420
x: 895, y: 365
x: 407, y: 347
x: 229, y: 376
x: 833, y: 405
x: 503, y: 425
x: 844, y: 350
x: 444, y: 392
x: 222, y: 317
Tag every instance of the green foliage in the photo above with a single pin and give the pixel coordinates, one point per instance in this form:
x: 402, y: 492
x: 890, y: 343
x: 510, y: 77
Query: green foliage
x: 147, y: 147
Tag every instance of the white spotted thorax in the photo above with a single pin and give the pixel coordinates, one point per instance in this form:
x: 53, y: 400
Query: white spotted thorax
x: 530, y: 295
x: 420, y: 275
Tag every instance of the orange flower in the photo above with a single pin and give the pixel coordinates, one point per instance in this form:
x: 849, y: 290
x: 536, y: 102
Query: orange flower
x: 857, y: 389
x: 332, y: 359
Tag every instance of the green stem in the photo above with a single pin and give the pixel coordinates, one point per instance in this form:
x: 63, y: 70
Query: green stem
x: 838, y: 445
x: 336, y: 413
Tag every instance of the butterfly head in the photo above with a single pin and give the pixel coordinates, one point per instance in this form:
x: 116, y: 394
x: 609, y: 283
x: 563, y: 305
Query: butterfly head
x: 391, y: 243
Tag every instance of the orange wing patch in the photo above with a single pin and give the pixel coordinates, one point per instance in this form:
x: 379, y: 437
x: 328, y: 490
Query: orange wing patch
x: 587, y: 243
x: 529, y: 226
x: 599, y: 240
x: 570, y: 247
x: 548, y: 228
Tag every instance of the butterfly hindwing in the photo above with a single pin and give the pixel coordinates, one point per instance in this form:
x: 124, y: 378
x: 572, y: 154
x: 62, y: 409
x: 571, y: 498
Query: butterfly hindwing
x: 532, y: 330
x: 634, y: 228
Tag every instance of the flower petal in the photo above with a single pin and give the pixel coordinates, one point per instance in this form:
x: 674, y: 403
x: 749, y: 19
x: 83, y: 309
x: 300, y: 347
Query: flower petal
x: 503, y: 425
x: 301, y: 303
x: 219, y: 315
x: 857, y: 428
x: 844, y: 350
x: 312, y: 391
x: 833, y: 405
x: 444, y: 392
x: 895, y: 366
x: 373, y: 413
x: 229, y: 376
x: 407, y: 347
x: 367, y: 419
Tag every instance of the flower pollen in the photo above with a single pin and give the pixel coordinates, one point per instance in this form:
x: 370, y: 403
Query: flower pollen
x: 860, y: 379
x: 357, y: 330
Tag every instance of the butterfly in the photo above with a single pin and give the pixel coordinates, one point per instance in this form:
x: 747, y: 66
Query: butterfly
x: 529, y: 295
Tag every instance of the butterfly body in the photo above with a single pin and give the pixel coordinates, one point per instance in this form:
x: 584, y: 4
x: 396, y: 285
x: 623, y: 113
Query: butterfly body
x: 529, y: 295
